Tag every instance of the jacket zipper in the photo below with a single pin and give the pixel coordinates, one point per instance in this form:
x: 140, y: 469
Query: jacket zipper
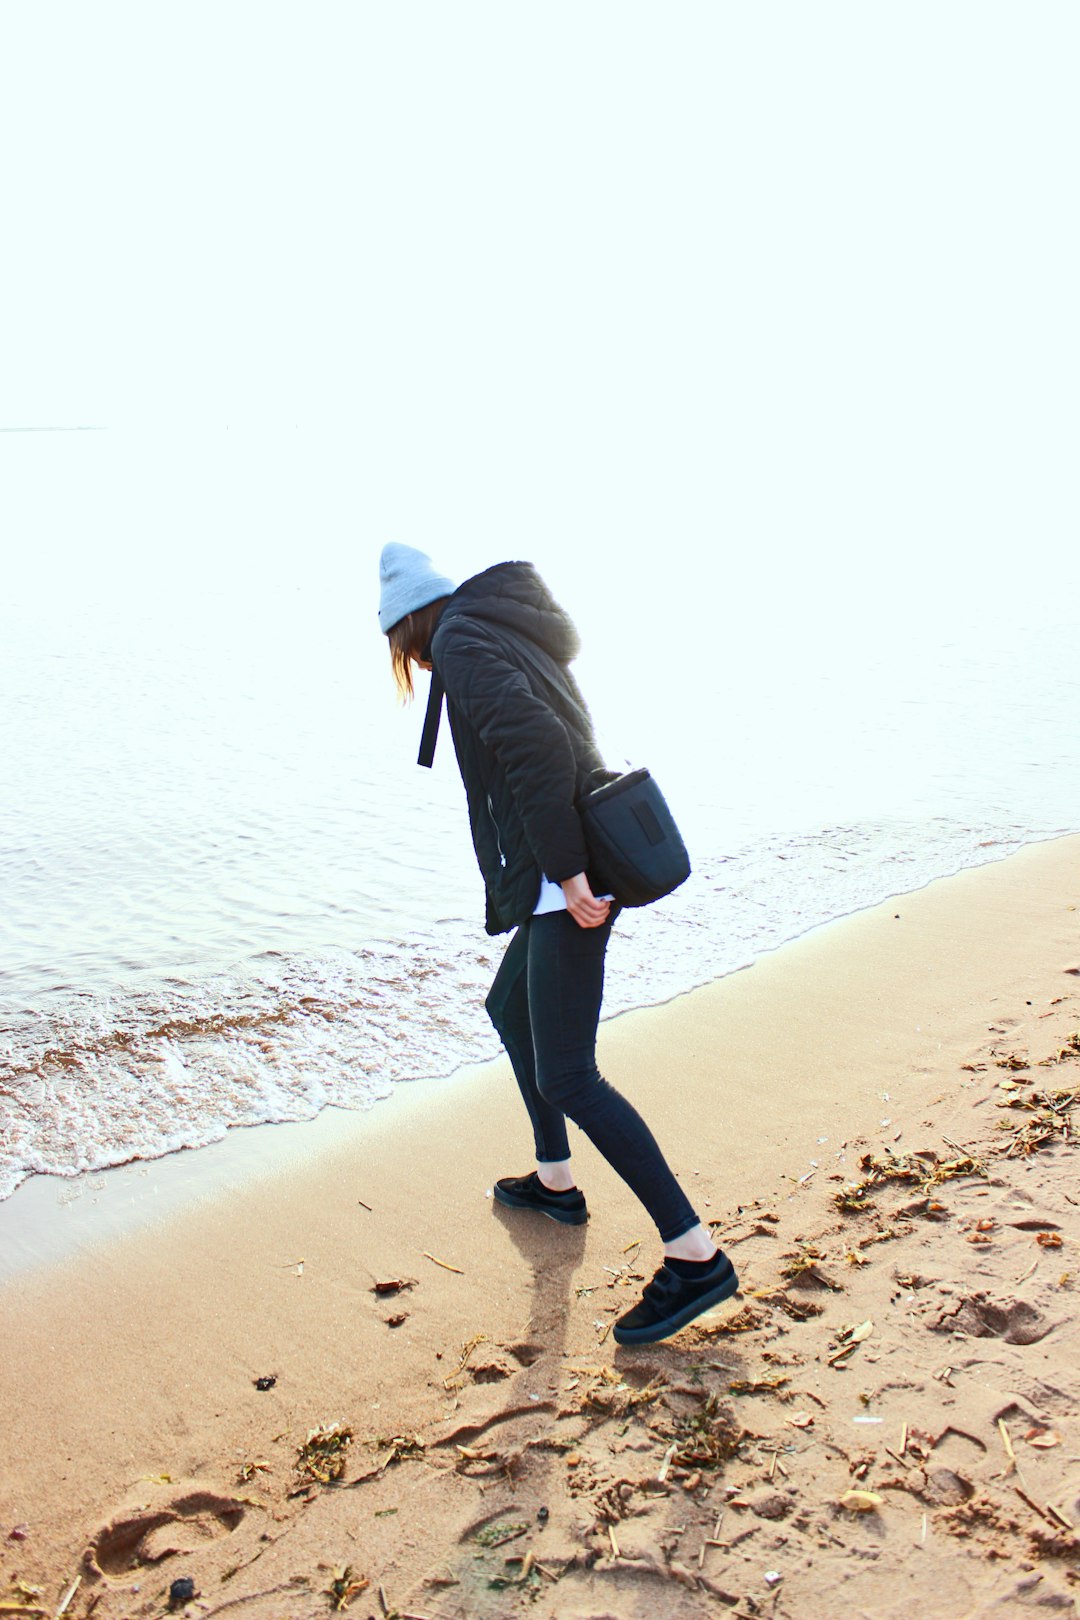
x: 495, y: 824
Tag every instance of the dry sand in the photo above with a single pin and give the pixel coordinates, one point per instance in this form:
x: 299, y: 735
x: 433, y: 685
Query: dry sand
x: 504, y: 1457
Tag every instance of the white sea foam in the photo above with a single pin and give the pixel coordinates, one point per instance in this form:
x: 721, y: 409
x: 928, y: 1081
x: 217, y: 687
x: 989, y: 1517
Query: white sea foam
x: 97, y: 1081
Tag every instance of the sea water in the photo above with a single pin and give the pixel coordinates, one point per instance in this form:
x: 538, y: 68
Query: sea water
x: 229, y: 896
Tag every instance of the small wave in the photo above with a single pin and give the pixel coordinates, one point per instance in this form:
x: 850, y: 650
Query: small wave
x: 101, y: 1080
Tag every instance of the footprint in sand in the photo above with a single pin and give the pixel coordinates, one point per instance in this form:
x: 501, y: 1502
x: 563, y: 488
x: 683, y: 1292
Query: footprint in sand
x: 1015, y: 1322
x: 186, y: 1524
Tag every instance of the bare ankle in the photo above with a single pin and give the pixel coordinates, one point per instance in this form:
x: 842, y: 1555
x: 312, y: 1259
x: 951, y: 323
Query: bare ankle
x: 556, y: 1176
x: 697, y: 1244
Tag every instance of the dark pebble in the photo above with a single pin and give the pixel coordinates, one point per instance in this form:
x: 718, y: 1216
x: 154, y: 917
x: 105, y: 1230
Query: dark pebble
x: 543, y: 1514
x: 181, y: 1591
x: 265, y: 1383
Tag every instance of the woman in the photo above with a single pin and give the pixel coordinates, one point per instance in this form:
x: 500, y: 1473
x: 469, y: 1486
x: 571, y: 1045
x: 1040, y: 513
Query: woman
x: 500, y: 646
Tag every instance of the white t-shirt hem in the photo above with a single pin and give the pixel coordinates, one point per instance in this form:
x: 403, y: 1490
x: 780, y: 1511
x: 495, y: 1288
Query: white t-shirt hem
x: 552, y: 897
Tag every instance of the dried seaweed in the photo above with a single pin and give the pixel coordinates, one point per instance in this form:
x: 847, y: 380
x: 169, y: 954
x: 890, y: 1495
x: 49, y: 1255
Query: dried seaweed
x: 322, y: 1456
x: 708, y: 1438
x: 923, y: 1170
x: 1052, y: 1118
x: 499, y: 1532
x: 1070, y: 1050
x: 798, y: 1264
x: 803, y: 1267
x: 399, y: 1448
x: 853, y: 1198
x: 466, y: 1351
x: 344, y: 1586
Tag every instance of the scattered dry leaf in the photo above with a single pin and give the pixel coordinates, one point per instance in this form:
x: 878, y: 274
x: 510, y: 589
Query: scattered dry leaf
x: 861, y: 1501
x: 1045, y: 1439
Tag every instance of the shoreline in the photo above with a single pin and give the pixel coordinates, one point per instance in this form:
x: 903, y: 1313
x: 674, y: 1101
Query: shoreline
x: 139, y: 1449
x: 40, y: 1225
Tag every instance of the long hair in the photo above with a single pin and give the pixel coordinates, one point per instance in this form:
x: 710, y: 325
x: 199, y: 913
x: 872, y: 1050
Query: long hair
x: 409, y: 639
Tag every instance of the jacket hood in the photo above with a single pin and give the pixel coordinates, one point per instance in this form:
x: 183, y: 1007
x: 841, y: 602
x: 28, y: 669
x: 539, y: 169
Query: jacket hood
x: 514, y: 596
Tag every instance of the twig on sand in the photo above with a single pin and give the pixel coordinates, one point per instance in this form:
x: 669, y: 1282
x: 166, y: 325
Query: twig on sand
x: 950, y: 1143
x: 368, y: 1207
x: 1034, y: 1506
x: 669, y: 1456
x: 68, y: 1595
x: 444, y: 1263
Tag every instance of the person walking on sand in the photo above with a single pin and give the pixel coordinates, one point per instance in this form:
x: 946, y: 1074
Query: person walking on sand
x: 524, y: 746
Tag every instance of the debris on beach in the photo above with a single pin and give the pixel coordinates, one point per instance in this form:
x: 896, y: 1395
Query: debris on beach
x: 862, y: 1501
x: 345, y: 1585
x: 322, y: 1457
x: 499, y: 1532
x: 398, y: 1448
x: 266, y: 1382
x: 181, y: 1591
x: 802, y: 1267
x: 467, y: 1351
x: 445, y: 1264
x: 393, y: 1285
x: 758, y: 1386
x: 848, y: 1341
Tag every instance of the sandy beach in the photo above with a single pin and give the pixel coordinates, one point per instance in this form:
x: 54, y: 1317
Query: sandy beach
x: 342, y: 1379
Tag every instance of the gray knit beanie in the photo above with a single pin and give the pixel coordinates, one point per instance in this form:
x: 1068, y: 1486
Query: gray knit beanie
x: 408, y: 581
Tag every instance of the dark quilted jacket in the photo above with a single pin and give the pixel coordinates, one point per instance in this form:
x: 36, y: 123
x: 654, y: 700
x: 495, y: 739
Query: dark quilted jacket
x: 523, y: 747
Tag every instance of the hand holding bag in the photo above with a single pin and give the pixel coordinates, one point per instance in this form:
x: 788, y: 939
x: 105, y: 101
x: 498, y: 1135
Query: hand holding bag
x: 636, y: 851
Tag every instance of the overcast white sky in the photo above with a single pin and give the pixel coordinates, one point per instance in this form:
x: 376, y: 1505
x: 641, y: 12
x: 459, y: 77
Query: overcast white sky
x: 712, y: 298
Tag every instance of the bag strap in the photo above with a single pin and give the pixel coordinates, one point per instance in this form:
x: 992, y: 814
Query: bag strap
x: 554, y: 676
x: 430, y: 733
x: 547, y: 667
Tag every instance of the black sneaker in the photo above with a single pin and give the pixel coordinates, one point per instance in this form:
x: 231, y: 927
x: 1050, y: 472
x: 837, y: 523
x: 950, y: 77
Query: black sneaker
x: 529, y: 1192
x: 670, y: 1302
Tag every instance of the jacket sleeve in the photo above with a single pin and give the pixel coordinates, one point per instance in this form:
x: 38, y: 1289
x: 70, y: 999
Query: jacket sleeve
x: 526, y: 736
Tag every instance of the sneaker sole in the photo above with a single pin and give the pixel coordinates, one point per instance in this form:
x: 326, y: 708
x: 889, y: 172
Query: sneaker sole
x: 672, y: 1324
x: 569, y: 1217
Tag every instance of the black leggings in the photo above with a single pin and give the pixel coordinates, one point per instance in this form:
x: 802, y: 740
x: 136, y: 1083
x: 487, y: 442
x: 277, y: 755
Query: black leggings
x: 545, y: 1004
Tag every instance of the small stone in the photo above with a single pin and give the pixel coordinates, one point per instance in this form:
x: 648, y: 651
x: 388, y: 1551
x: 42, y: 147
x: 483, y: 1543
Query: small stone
x: 262, y: 1383
x: 773, y: 1577
x: 181, y: 1591
x: 766, y: 1504
x: 543, y: 1514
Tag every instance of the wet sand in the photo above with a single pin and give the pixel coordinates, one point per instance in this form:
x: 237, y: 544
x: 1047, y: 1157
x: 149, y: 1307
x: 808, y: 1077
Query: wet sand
x: 877, y: 1119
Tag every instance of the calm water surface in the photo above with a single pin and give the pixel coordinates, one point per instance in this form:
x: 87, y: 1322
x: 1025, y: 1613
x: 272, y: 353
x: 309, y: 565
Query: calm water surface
x: 229, y: 896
